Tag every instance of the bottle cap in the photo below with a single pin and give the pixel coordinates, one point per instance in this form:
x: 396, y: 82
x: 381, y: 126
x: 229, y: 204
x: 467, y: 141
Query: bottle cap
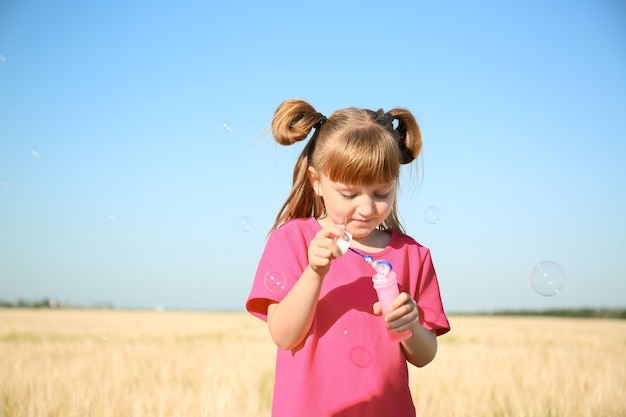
x: 384, y: 275
x: 382, y: 266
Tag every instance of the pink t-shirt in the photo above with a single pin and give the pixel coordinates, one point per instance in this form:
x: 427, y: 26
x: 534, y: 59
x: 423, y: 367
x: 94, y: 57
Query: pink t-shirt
x: 346, y: 365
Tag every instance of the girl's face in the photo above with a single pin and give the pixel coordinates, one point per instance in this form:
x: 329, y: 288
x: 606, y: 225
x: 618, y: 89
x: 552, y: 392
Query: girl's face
x: 364, y: 207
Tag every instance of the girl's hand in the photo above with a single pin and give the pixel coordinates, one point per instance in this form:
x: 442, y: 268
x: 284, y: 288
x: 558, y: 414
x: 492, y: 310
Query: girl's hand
x: 404, y: 314
x: 323, y: 249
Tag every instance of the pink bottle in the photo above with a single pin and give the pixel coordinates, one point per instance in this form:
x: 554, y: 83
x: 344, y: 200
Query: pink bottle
x: 386, y: 286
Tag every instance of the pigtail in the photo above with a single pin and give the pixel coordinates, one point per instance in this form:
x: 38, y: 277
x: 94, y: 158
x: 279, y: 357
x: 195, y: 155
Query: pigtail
x: 293, y: 121
x: 410, y: 136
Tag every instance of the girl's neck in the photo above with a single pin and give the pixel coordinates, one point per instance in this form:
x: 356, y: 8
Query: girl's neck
x: 372, y: 243
x: 376, y: 241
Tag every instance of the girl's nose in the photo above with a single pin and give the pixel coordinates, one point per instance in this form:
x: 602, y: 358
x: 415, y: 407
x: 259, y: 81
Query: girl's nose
x: 366, y: 207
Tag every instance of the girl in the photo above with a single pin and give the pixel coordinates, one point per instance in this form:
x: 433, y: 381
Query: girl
x: 334, y: 357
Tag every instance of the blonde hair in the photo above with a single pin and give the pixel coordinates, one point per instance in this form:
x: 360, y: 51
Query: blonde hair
x: 353, y: 146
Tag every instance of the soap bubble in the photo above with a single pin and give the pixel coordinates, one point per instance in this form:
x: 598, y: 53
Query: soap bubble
x: 432, y: 215
x: 547, y: 278
x: 3, y: 184
x: 361, y: 357
x: 227, y: 128
x: 338, y: 218
x: 35, y: 154
x: 3, y: 58
x: 111, y: 217
x: 246, y: 224
x: 275, y: 281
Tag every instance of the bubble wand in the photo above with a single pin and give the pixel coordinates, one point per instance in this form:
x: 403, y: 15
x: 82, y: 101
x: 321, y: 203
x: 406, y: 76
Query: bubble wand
x: 384, y: 281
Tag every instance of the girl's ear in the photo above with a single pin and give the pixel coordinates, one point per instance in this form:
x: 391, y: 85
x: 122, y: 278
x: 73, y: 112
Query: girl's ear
x: 315, y: 181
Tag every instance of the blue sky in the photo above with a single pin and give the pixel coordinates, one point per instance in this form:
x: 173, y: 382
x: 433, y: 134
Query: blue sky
x: 134, y: 137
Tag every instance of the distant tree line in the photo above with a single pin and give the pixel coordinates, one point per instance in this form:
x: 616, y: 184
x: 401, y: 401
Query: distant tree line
x: 47, y: 303
x: 583, y: 312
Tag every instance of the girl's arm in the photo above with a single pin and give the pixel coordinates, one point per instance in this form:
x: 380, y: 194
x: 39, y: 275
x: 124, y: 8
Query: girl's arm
x: 420, y: 349
x: 290, y: 320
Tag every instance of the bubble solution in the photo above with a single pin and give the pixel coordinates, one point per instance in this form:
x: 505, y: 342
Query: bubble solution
x: 386, y: 286
x: 547, y: 278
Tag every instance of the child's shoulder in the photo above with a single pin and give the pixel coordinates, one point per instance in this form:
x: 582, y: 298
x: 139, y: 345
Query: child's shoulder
x: 399, y: 239
x: 308, y: 225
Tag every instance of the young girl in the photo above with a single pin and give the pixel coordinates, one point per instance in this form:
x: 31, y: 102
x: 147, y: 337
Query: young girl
x: 334, y: 357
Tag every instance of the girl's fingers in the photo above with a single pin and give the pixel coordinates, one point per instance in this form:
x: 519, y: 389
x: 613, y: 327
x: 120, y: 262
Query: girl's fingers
x: 404, y: 299
x: 376, y: 309
x: 334, y: 232
x: 404, y: 311
x: 325, y: 247
x: 328, y: 238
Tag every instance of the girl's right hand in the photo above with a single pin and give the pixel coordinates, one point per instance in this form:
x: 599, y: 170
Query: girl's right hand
x: 323, y: 249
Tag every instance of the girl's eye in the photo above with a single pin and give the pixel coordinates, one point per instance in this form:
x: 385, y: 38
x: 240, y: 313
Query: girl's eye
x: 376, y: 195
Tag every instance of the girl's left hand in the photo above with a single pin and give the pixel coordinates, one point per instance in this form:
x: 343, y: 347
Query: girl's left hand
x: 404, y: 314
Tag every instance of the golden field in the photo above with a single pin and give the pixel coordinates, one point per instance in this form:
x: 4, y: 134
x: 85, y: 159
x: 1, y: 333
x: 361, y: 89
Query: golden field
x: 105, y: 363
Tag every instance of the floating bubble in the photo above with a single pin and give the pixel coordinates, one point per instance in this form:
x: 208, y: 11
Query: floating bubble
x: 3, y: 184
x: 3, y: 58
x: 246, y: 224
x: 275, y: 281
x: 227, y: 127
x: 547, y: 278
x: 337, y: 218
x: 361, y: 357
x: 111, y: 217
x: 35, y: 154
x: 432, y: 215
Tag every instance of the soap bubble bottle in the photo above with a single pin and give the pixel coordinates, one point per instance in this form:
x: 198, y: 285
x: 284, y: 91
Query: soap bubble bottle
x: 386, y: 286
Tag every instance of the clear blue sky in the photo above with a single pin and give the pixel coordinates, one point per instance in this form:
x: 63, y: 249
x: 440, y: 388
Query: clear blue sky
x: 119, y: 182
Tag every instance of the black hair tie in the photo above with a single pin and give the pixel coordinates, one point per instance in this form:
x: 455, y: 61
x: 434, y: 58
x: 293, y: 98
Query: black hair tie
x: 321, y: 121
x: 385, y: 119
x: 406, y: 154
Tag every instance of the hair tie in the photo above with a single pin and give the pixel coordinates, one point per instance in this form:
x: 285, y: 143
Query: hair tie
x: 321, y: 121
x: 407, y: 154
x: 385, y: 120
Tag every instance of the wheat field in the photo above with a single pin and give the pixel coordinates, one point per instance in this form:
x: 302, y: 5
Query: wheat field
x: 105, y: 363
